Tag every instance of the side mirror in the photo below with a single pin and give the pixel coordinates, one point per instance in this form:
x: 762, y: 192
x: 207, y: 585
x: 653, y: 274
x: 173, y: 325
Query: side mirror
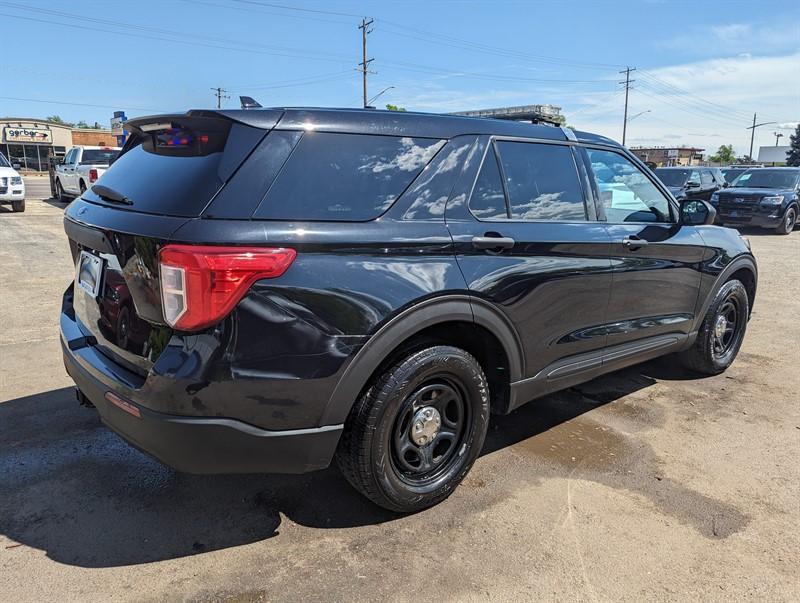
x: 696, y: 212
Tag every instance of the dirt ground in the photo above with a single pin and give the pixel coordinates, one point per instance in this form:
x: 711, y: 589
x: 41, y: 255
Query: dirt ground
x: 649, y: 483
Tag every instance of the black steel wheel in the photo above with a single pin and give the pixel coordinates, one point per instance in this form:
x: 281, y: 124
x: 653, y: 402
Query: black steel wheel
x: 415, y: 433
x: 429, y: 429
x: 722, y: 331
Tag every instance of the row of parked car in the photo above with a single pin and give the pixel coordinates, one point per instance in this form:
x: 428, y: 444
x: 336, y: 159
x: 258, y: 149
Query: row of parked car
x: 755, y: 196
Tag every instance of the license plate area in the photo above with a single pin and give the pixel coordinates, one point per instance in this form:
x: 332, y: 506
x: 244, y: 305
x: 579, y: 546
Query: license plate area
x: 89, y: 273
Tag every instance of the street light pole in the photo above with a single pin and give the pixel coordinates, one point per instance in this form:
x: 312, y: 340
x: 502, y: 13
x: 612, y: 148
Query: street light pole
x: 374, y: 98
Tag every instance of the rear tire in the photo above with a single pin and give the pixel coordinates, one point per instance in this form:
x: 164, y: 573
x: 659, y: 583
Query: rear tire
x: 789, y: 220
x: 415, y: 433
x: 722, y: 331
x: 82, y: 187
x: 18, y: 206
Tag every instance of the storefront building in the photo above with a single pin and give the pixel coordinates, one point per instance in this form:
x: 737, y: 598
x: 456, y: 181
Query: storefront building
x: 30, y: 142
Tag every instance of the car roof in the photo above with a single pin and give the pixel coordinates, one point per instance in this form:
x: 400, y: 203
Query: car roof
x: 377, y: 121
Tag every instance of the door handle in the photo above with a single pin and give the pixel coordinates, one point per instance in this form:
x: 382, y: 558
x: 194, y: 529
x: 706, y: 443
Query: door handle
x: 633, y: 242
x: 489, y: 242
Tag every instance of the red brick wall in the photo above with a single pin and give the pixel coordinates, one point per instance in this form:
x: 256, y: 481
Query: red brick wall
x: 96, y: 138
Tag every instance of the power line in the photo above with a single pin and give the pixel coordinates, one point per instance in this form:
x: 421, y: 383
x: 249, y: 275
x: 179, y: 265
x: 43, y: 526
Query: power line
x: 448, y: 40
x: 657, y: 83
x: 688, y: 109
x: 194, y: 40
x: 303, y: 81
x: 60, y: 102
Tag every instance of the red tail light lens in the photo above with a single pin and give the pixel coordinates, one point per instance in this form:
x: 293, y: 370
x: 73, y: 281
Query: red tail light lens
x: 92, y: 175
x: 200, y: 285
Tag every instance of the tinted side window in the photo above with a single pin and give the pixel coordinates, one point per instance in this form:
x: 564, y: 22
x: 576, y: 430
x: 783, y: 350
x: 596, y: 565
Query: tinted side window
x: 694, y: 178
x: 542, y: 182
x: 345, y: 177
x: 488, y: 201
x: 706, y: 179
x: 626, y: 193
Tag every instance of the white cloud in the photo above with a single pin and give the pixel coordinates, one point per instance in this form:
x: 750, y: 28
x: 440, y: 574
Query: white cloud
x: 724, y: 94
x: 730, y: 39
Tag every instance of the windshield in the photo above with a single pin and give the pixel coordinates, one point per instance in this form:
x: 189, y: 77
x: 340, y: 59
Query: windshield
x: 673, y: 177
x: 761, y: 178
x: 98, y: 155
x: 4, y: 161
x: 731, y: 174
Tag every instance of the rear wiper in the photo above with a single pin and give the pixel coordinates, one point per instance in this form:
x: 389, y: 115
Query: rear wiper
x: 109, y: 194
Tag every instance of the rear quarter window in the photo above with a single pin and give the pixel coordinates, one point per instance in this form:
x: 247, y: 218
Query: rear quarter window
x: 345, y: 177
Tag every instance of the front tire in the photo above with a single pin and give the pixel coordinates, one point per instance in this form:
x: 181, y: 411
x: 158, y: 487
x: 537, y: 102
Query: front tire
x: 415, y: 433
x: 60, y: 196
x: 722, y: 331
x: 789, y: 220
x: 18, y: 206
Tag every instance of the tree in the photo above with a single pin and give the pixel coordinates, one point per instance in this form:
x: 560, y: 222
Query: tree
x: 724, y: 154
x: 395, y: 108
x: 57, y: 120
x: 82, y: 125
x: 793, y: 154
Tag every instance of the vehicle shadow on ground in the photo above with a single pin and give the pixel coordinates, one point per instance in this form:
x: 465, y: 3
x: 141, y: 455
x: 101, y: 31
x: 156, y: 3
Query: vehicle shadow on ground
x: 56, y: 203
x: 75, y: 490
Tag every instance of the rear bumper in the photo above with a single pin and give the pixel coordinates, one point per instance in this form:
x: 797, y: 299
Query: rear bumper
x: 190, y: 444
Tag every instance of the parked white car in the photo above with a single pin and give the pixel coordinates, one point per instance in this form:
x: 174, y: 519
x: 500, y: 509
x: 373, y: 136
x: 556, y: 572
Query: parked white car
x: 12, y: 187
x: 81, y: 168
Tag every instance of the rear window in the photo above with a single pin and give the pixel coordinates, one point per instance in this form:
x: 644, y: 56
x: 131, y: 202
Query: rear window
x: 673, y: 177
x: 345, y: 177
x: 177, y: 171
x: 104, y: 156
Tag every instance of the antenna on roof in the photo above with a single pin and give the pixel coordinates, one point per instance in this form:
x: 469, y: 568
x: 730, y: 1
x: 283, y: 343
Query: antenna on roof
x: 248, y: 102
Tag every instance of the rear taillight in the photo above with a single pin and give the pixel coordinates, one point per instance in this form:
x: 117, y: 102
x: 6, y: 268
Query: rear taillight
x: 92, y: 175
x: 200, y: 285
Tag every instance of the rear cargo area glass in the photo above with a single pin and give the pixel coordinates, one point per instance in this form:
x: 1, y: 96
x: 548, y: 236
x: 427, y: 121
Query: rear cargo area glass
x: 345, y: 177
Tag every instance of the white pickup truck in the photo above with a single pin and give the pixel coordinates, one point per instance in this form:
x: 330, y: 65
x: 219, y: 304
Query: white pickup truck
x: 81, y: 168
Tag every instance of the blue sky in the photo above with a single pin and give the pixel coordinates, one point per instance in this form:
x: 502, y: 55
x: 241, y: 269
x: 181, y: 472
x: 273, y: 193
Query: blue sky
x: 703, y: 68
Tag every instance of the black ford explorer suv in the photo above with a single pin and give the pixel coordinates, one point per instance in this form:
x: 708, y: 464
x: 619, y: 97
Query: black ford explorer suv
x: 691, y: 183
x: 764, y: 197
x: 308, y: 284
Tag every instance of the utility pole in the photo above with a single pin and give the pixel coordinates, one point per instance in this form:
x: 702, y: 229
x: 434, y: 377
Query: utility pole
x: 220, y: 94
x: 628, y: 81
x: 753, y: 132
x: 364, y: 27
x: 778, y: 136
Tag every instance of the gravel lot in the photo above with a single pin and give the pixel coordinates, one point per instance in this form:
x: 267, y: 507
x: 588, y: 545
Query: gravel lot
x: 648, y: 483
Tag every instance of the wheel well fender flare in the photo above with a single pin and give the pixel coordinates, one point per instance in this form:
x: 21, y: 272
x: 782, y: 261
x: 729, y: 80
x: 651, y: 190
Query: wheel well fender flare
x: 746, y: 262
x: 448, y: 308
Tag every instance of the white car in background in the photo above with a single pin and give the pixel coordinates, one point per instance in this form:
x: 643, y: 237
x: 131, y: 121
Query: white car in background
x: 81, y: 168
x: 12, y: 187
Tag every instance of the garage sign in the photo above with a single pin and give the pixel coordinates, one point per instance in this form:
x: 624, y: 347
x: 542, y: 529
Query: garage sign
x: 41, y: 135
